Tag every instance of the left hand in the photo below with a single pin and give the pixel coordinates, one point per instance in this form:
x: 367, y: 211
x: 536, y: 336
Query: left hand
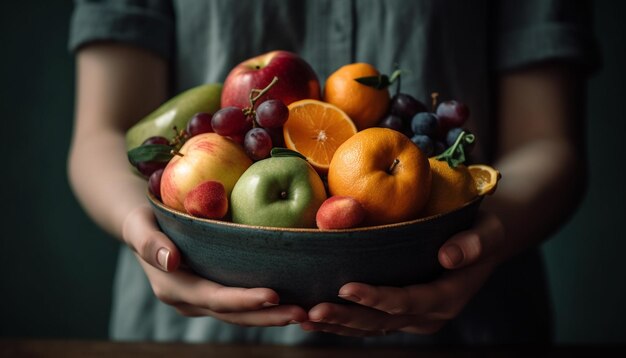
x: 470, y: 258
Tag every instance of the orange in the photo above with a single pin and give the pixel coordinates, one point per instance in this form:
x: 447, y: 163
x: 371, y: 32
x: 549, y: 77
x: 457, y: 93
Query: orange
x: 451, y: 187
x: 365, y: 105
x: 485, y: 178
x: 385, y: 172
x: 316, y: 129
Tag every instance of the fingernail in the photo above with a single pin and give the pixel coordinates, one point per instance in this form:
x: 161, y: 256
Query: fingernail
x: 269, y: 304
x: 163, y: 256
x: 453, y: 254
x: 352, y: 298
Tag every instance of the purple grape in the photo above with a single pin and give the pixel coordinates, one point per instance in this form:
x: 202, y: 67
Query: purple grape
x: 257, y: 143
x: 439, y: 147
x: 230, y: 121
x: 425, y: 123
x: 199, y: 123
x: 425, y: 143
x: 154, y: 183
x: 393, y: 122
x: 406, y: 106
x: 278, y: 139
x: 272, y: 114
x: 156, y: 140
x: 147, y: 168
x: 452, y: 114
x: 452, y: 136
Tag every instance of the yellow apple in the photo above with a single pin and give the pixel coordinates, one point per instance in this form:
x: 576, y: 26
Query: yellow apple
x: 206, y: 156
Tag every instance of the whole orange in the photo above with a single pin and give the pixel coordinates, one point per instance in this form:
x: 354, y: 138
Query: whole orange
x: 365, y: 105
x: 385, y: 172
x: 451, y: 188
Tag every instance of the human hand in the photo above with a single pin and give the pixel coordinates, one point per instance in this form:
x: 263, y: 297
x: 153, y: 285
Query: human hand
x: 192, y: 295
x: 470, y: 258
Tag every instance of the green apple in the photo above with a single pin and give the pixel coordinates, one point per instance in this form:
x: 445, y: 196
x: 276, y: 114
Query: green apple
x: 279, y: 192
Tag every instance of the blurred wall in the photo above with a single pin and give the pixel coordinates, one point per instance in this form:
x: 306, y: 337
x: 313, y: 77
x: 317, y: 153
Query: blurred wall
x: 585, y: 261
x: 56, y: 265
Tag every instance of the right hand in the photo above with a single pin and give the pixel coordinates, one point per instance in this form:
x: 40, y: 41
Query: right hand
x: 192, y: 295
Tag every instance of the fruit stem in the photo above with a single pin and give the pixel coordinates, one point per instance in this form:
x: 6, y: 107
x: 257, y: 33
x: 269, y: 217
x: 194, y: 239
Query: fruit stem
x: 433, y: 97
x: 176, y: 152
x: 455, y: 155
x: 249, y: 111
x: 399, y: 77
x: 180, y: 137
x: 261, y: 92
x: 393, y: 165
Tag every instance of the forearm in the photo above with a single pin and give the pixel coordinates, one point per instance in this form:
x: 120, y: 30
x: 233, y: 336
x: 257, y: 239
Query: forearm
x: 117, y: 85
x: 541, y: 187
x: 541, y: 154
x: 102, y: 180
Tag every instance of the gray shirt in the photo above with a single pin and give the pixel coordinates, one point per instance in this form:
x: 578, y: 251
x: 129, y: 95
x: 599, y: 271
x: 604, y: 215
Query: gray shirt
x: 454, y: 47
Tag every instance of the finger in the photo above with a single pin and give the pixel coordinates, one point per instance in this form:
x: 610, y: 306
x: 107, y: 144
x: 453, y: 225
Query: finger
x: 281, y: 315
x: 276, y: 316
x: 468, y: 247
x: 356, y: 321
x: 142, y: 234
x: 413, y: 300
x: 186, y: 287
x: 425, y: 328
x: 339, y: 330
x: 358, y: 317
x: 441, y: 299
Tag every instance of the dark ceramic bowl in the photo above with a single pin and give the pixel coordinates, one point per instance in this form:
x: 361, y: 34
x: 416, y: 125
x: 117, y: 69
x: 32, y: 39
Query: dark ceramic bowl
x: 308, y: 266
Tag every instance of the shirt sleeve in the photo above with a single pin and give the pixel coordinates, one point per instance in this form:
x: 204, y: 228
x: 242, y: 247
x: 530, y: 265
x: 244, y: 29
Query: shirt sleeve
x: 532, y: 31
x: 145, y: 23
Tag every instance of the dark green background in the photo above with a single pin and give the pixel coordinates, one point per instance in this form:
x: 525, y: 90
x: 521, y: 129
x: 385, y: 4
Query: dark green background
x: 56, y: 266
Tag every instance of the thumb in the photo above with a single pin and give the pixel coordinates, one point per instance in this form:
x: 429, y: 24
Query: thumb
x: 471, y: 246
x: 142, y: 234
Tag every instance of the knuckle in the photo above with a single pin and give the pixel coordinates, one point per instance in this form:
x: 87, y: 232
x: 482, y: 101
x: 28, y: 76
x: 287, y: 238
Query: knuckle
x: 163, y: 295
x: 473, y: 246
x: 144, y: 246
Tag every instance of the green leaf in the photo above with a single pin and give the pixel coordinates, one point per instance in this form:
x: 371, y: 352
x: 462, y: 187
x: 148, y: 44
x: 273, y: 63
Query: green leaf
x: 395, y: 75
x: 455, y: 155
x: 150, y: 153
x: 277, y: 152
x: 378, y: 82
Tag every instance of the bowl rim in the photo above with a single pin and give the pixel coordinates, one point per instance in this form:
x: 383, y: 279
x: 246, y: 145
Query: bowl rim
x: 160, y: 205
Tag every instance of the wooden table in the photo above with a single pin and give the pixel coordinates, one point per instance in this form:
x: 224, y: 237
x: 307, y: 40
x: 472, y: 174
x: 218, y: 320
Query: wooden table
x: 85, y: 348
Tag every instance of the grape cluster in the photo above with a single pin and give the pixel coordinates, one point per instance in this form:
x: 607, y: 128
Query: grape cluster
x: 432, y: 131
x: 257, y: 130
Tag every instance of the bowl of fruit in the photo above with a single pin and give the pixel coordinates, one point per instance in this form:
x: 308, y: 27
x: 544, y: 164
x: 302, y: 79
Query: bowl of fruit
x: 302, y: 192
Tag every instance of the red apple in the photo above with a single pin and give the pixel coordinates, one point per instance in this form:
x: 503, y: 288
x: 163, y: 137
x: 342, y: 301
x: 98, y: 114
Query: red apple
x: 296, y: 79
x: 206, y: 156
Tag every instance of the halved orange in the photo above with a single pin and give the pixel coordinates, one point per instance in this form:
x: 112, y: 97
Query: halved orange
x: 485, y: 177
x: 316, y: 129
